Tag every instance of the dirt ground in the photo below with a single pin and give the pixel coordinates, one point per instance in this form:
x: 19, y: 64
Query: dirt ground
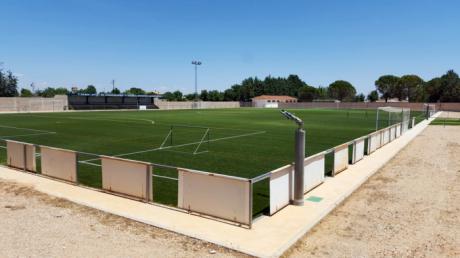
x: 410, y: 208
x: 33, y: 224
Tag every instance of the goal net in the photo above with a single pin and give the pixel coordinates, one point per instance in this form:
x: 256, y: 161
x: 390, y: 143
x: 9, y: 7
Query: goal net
x: 387, y: 116
x: 187, y: 139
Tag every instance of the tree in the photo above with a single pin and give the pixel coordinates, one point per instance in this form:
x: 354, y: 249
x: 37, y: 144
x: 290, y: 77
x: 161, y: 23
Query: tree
x: 322, y: 93
x: 26, y: 93
x: 169, y: 96
x: 61, y: 91
x: 8, y: 84
x: 47, y: 93
x: 215, y: 95
x: 450, y: 87
x: 115, y: 91
x: 204, y: 95
x: 135, y: 91
x: 191, y: 96
x: 412, y: 86
x: 231, y: 94
x: 307, y: 93
x: 294, y: 84
x: 360, y: 97
x: 373, y: 96
x: 90, y: 89
x: 387, y: 86
x: 341, y: 90
x: 178, y: 95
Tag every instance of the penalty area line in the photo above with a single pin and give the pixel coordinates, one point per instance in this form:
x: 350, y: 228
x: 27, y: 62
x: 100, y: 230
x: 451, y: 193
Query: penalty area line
x: 185, y: 144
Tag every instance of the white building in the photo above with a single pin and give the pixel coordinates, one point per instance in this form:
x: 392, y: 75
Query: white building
x: 271, y: 101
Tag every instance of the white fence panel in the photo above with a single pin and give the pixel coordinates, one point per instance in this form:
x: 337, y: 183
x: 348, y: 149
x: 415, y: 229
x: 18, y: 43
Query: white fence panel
x: 280, y: 188
x: 127, y: 177
x: 313, y: 171
x: 358, y: 150
x: 216, y: 195
x: 340, y: 159
x: 385, y: 136
x: 392, y: 133
x: 59, y: 163
x: 398, y: 130
x: 374, y: 142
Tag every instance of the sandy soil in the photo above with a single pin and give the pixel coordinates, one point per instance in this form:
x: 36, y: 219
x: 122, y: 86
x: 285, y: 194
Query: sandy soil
x: 34, y: 224
x: 410, y: 208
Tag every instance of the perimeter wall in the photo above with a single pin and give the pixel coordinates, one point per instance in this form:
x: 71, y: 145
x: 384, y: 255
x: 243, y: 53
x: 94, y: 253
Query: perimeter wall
x: 370, y: 105
x: 200, y: 104
x: 33, y: 104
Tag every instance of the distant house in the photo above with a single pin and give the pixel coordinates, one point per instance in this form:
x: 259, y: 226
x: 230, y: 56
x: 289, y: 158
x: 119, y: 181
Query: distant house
x: 271, y: 101
x: 392, y: 100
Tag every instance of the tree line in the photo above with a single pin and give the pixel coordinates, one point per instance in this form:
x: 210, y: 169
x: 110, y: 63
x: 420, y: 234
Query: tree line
x: 445, y: 88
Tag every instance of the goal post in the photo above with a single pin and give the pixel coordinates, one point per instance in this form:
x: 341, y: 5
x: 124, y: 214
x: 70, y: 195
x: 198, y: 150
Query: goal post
x: 187, y: 139
x: 386, y: 116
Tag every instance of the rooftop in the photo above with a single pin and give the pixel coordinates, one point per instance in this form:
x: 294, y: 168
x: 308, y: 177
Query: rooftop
x: 274, y: 97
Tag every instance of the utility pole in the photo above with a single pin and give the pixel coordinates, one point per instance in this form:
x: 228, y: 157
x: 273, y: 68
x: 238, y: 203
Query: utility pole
x: 196, y: 64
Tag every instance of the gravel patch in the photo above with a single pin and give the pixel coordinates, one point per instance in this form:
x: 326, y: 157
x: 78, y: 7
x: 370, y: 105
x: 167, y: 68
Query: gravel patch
x: 34, y: 224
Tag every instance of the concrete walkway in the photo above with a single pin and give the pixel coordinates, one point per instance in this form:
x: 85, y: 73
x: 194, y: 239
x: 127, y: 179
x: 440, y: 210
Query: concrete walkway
x: 269, y: 237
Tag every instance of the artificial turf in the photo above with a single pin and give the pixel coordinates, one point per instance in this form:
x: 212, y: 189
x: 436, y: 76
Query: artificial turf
x: 244, y: 142
x: 446, y: 121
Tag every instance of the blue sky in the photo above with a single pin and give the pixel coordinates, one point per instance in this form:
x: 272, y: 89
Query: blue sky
x: 150, y: 44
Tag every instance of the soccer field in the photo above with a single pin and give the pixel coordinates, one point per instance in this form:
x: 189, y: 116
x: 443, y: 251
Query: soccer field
x: 244, y: 142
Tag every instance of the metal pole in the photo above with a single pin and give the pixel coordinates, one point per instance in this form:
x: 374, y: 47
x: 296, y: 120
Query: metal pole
x: 196, y: 82
x: 377, y: 121
x: 299, y: 167
x: 389, y: 118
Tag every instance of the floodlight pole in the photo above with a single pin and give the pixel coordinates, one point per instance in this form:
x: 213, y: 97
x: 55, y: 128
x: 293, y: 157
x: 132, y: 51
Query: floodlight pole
x: 299, y: 159
x: 196, y: 64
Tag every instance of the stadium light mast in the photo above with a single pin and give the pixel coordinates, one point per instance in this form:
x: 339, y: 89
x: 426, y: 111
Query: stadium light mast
x: 299, y: 158
x: 196, y: 64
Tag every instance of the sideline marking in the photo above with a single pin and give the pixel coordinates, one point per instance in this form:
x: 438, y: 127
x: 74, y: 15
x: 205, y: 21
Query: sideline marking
x: 21, y: 128
x: 6, y: 137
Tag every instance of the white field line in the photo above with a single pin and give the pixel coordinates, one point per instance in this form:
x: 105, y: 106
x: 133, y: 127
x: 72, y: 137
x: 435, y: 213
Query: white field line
x: 166, y: 177
x: 19, y: 135
x: 21, y: 128
x: 87, y: 162
x: 181, y: 145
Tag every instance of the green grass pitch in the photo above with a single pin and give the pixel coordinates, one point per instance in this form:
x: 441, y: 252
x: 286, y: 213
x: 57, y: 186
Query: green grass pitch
x: 244, y: 142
